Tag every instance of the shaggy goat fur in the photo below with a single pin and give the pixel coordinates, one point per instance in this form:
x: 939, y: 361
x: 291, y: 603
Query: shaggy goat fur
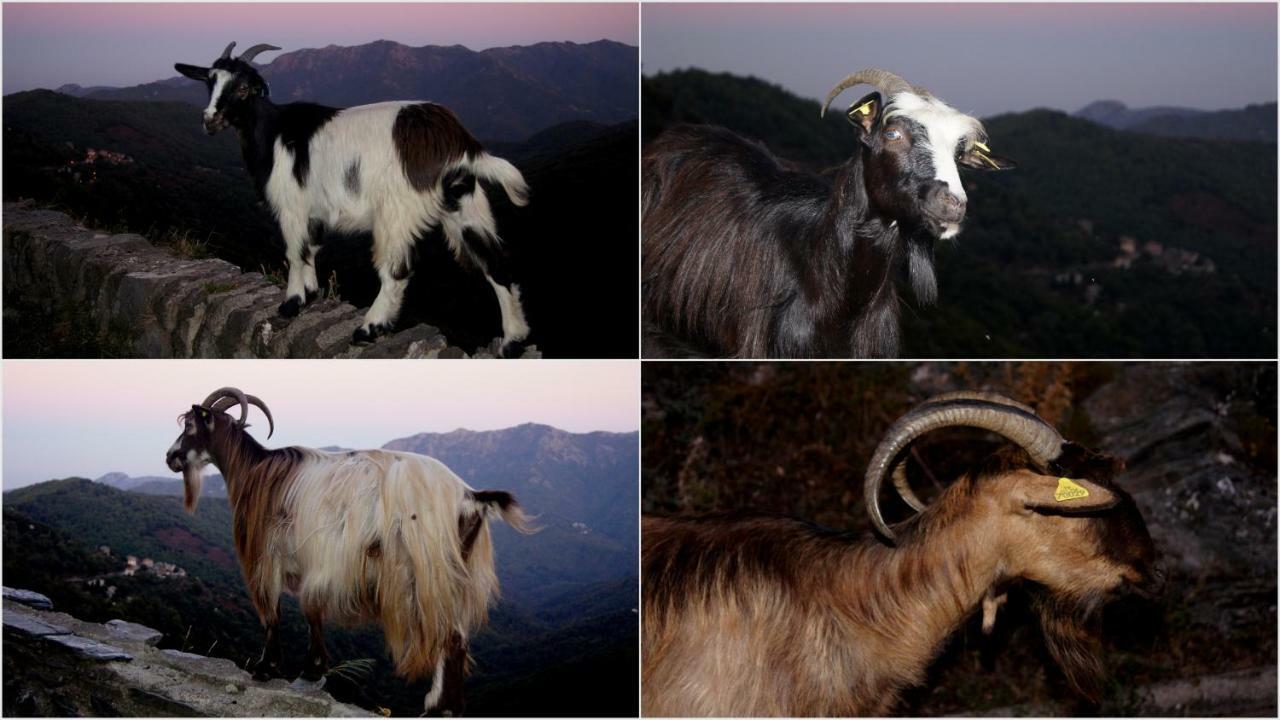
x: 758, y: 616
x: 389, y: 537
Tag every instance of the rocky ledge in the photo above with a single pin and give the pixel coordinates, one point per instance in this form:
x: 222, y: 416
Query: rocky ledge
x: 57, y: 665
x: 171, y: 307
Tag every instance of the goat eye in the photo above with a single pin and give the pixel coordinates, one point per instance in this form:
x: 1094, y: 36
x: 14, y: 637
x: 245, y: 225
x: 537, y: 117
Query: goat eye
x: 892, y: 134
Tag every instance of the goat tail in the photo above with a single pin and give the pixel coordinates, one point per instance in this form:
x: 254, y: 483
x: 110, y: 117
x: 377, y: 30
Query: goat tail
x: 504, y: 505
x: 495, y: 169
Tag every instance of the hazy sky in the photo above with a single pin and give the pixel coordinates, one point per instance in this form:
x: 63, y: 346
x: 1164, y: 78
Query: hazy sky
x: 985, y: 58
x: 87, y: 418
x: 51, y: 44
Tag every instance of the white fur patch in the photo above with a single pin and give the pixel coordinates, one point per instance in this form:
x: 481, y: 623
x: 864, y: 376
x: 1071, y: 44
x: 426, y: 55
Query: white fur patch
x: 437, y: 687
x: 220, y: 79
x: 945, y: 127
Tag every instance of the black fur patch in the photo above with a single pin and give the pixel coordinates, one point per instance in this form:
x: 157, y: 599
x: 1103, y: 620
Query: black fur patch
x: 504, y: 500
x: 429, y: 137
x: 491, y: 255
x: 352, y: 177
x: 468, y: 528
x: 456, y: 184
x: 404, y: 269
x: 299, y: 122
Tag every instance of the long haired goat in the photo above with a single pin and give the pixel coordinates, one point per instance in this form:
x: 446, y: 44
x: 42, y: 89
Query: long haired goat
x: 745, y: 256
x: 397, y: 169
x: 752, y: 616
x: 390, y: 537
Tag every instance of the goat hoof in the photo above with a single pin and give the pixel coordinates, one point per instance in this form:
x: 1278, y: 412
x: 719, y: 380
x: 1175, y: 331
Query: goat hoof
x: 366, y: 334
x: 513, y: 349
x: 263, y: 672
x: 289, y: 308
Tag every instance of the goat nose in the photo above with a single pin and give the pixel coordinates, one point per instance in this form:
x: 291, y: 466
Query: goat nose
x: 954, y: 203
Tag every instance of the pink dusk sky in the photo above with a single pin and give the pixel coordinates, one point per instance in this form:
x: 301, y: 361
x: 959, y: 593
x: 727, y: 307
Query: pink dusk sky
x: 986, y: 58
x: 88, y: 418
x: 51, y: 44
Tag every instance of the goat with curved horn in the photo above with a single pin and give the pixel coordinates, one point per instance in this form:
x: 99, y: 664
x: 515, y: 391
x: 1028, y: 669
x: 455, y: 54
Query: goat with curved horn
x: 810, y: 622
x: 745, y: 255
x: 395, y: 169
x: 409, y: 546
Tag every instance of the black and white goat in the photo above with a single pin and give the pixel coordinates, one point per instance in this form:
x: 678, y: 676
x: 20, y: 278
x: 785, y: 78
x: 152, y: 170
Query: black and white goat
x: 745, y: 256
x: 397, y: 169
x: 390, y: 537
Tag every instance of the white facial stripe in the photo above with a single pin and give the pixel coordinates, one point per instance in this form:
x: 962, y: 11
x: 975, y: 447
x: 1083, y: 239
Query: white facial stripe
x: 175, y: 447
x: 220, y: 78
x: 945, y: 126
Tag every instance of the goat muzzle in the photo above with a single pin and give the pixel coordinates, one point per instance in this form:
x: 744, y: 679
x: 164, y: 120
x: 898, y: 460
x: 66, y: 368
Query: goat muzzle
x: 942, y: 205
x: 212, y: 125
x: 174, y: 460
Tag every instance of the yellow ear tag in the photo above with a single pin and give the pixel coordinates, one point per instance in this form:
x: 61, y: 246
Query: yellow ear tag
x: 1068, y: 490
x: 864, y: 109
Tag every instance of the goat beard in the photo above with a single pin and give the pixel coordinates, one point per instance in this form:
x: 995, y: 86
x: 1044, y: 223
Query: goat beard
x: 920, y: 271
x: 192, y: 481
x: 1071, y: 629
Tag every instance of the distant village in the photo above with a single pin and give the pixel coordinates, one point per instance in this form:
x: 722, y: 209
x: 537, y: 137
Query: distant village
x: 85, y: 171
x: 134, y: 565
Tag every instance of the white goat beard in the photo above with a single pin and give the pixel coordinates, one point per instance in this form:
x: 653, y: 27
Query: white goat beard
x: 192, y: 480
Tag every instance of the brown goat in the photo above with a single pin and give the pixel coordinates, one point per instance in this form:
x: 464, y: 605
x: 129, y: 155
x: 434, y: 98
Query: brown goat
x: 756, y: 616
x: 375, y: 535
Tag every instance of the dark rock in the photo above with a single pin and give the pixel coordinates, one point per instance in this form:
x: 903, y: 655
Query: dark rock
x: 28, y: 597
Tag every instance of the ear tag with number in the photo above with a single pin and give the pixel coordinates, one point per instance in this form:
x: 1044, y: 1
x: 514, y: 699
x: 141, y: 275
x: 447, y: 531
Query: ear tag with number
x: 1068, y: 490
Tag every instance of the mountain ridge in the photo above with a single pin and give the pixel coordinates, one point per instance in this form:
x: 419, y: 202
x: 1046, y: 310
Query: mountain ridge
x: 502, y: 93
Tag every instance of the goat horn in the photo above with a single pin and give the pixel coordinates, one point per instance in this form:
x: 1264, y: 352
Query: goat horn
x: 231, y: 397
x: 900, y: 468
x: 251, y: 53
x: 271, y: 423
x: 882, y: 80
x: 212, y: 402
x: 227, y: 53
x: 988, y: 411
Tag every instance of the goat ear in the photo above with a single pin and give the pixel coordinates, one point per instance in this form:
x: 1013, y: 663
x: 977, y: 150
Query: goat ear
x: 865, y: 113
x: 979, y: 157
x: 193, y: 71
x: 1062, y: 494
x: 204, y: 416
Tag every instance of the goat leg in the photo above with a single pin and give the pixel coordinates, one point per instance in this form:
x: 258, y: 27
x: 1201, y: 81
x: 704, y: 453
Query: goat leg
x: 268, y: 666
x: 317, y: 663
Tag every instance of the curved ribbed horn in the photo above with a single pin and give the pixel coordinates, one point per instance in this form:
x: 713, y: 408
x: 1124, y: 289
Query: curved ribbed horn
x: 883, y: 80
x: 230, y: 397
x: 1004, y: 416
x: 212, y: 402
x: 271, y: 423
x: 227, y: 53
x: 900, y: 468
x: 251, y: 53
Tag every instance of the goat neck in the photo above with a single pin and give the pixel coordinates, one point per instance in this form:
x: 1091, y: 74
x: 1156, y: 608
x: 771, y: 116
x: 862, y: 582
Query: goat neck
x: 850, y: 284
x: 257, y: 123
x: 913, y: 597
x: 236, y: 454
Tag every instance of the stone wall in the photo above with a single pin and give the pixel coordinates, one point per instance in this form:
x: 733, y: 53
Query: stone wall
x: 170, y: 307
x: 56, y: 665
